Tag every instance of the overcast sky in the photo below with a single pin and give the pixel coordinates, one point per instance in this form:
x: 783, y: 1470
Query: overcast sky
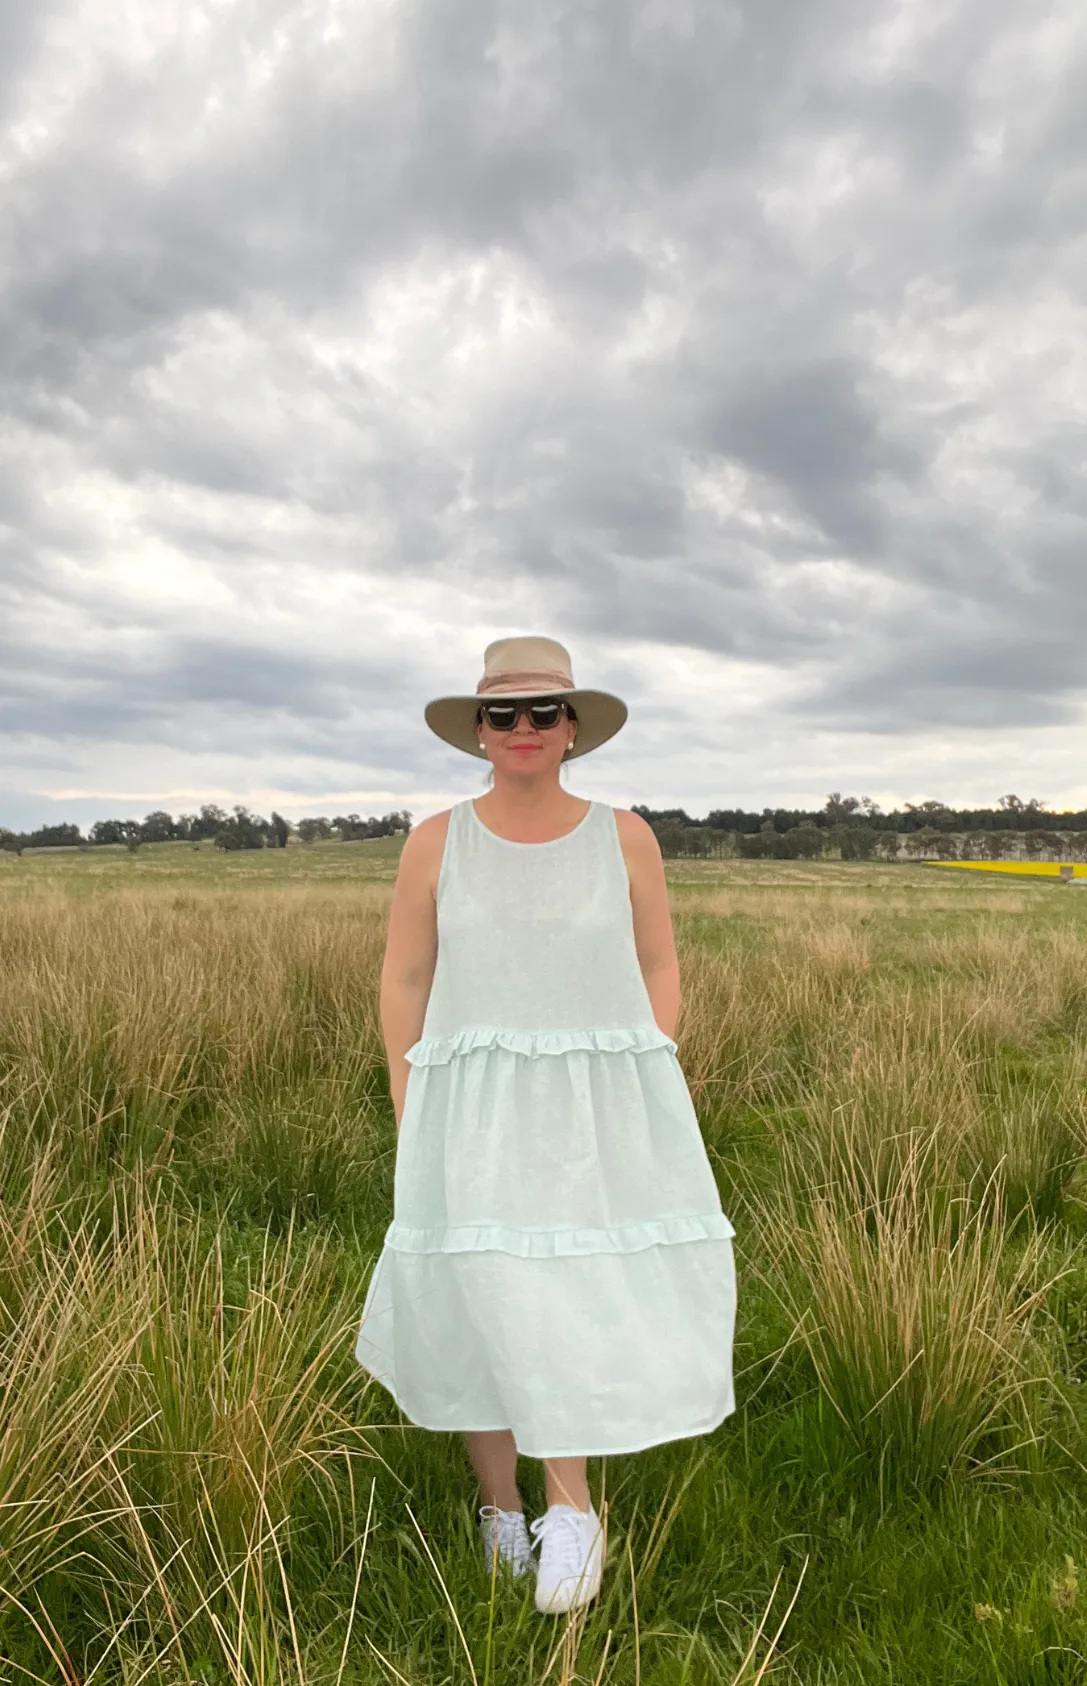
x: 741, y: 346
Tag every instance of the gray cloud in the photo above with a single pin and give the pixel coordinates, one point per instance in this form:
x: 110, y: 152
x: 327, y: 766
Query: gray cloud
x: 334, y: 340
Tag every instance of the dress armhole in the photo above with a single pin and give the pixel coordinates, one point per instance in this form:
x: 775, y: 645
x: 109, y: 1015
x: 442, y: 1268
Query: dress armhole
x: 613, y: 832
x: 447, y: 852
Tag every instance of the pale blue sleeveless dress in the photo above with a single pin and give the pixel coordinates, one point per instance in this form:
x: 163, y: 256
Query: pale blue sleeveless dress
x: 558, y: 1263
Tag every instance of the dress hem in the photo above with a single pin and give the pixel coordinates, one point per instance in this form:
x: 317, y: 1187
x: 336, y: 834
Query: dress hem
x: 565, y: 1451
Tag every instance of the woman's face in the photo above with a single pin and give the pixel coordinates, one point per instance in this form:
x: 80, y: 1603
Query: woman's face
x: 528, y: 751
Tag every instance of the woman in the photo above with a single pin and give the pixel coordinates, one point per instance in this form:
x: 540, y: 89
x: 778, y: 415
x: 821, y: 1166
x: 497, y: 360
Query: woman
x: 558, y: 1279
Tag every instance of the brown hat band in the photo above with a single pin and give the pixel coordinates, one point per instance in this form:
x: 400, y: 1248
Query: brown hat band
x: 544, y: 679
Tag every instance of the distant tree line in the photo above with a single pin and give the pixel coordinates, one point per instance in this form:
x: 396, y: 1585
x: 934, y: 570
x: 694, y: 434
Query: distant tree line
x: 855, y: 828
x: 350, y: 828
x: 239, y: 829
x: 850, y: 827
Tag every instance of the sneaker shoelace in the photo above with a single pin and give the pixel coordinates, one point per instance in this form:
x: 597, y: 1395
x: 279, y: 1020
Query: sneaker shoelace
x: 565, y: 1534
x: 508, y: 1527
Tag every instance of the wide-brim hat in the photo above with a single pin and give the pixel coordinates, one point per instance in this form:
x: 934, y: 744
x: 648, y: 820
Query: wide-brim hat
x: 527, y: 667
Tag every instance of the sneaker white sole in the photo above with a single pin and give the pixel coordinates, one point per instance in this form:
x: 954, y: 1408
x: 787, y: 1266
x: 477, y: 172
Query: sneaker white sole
x: 570, y: 1594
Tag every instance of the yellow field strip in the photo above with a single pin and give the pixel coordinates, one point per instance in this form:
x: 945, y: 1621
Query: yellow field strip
x: 1030, y: 869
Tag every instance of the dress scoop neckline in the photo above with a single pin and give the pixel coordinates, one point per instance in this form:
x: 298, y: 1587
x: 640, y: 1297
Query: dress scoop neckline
x: 547, y: 843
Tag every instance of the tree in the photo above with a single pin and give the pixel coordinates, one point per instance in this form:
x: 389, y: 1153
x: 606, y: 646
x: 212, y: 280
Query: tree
x: 55, y: 837
x: 853, y: 842
x: 110, y: 831
x: 807, y: 842
x: 1024, y: 813
x: 281, y: 830
x: 697, y: 841
x: 158, y: 827
x: 887, y: 844
x: 242, y: 831
x: 857, y: 842
x: 722, y: 819
x: 672, y: 838
x: 922, y: 842
x: 838, y: 808
x: 1046, y: 842
x: 945, y: 847
x: 936, y: 814
x: 310, y: 830
x: 208, y: 822
x: 652, y: 815
x: 928, y: 842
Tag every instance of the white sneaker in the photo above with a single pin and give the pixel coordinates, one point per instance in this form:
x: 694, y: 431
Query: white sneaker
x: 571, y: 1558
x: 504, y: 1531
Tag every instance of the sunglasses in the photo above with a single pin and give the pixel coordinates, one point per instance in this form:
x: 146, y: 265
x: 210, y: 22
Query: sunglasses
x: 503, y: 716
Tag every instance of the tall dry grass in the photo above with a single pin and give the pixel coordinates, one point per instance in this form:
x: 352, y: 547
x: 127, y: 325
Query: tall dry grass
x: 920, y: 1147
x: 136, y: 1027
x: 157, y: 1407
x: 163, y: 1403
x: 756, y: 1015
x: 919, y: 1322
x: 144, y: 997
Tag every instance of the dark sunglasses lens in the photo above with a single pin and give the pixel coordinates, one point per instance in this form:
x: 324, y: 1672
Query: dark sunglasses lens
x: 502, y: 717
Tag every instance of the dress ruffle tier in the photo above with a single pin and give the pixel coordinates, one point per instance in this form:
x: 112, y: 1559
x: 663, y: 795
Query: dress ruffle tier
x: 587, y: 1356
x: 439, y: 1050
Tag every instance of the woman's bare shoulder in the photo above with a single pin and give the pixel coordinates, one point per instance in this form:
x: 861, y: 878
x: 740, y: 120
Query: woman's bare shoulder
x: 635, y: 833
x: 421, y: 856
x: 640, y: 849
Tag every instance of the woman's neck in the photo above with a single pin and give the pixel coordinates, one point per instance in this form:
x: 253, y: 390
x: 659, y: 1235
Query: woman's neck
x: 528, y: 812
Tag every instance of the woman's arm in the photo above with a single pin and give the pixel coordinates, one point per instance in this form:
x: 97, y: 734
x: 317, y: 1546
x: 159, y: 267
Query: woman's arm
x: 411, y: 950
x: 653, y: 934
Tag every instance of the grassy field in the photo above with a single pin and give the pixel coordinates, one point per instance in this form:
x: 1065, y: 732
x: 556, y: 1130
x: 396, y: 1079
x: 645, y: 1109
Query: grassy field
x: 196, y: 1157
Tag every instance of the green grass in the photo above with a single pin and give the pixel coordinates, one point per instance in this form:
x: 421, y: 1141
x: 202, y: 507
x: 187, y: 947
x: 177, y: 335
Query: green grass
x: 196, y: 1158
x: 194, y: 866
